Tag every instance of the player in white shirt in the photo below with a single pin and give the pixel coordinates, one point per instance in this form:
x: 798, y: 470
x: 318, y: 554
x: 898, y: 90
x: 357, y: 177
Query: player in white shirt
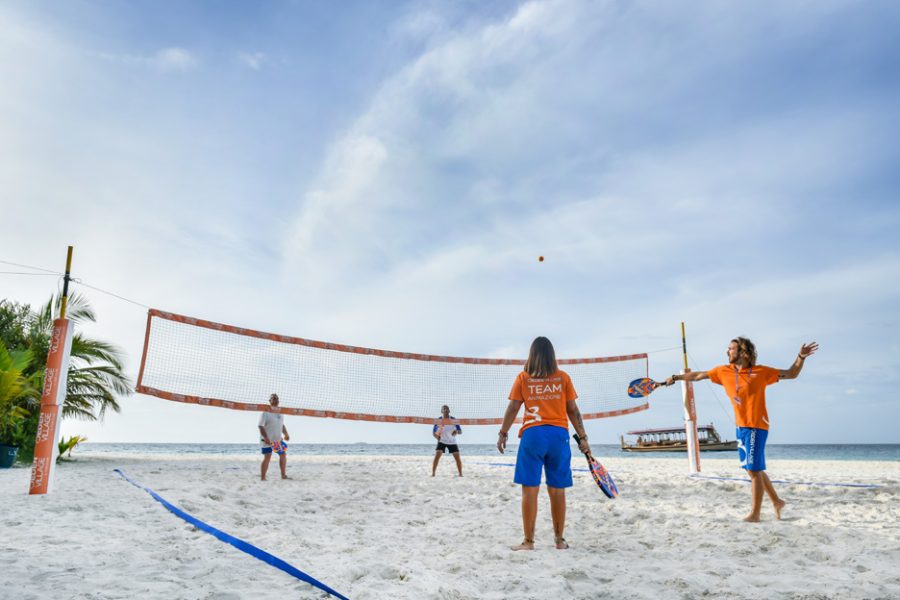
x: 271, y: 430
x: 445, y: 431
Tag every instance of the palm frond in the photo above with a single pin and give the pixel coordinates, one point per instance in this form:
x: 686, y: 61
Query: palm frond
x: 90, y: 351
x: 78, y: 309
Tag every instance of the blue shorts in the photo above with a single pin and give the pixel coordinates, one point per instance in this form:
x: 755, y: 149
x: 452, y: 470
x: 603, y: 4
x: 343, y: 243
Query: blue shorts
x: 544, y: 447
x: 268, y: 449
x: 752, y: 448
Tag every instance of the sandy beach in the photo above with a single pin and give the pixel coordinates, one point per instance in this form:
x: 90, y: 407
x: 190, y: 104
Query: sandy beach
x: 381, y: 527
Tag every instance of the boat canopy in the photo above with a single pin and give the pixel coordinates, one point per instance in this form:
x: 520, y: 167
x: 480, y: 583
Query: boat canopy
x: 669, y: 430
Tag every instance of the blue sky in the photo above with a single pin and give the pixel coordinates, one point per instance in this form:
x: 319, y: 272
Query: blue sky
x: 385, y: 174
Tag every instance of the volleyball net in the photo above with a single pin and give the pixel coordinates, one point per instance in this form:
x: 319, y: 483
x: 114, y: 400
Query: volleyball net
x: 201, y: 362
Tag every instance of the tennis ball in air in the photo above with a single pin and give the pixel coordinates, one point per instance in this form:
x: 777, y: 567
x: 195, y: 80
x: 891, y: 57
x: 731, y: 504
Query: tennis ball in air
x: 540, y: 259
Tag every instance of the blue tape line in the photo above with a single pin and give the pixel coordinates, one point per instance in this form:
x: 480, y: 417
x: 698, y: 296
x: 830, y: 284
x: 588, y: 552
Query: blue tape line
x: 852, y: 485
x: 237, y: 543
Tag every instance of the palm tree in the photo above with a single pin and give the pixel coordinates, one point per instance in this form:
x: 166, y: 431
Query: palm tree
x: 96, y: 371
x: 18, y: 394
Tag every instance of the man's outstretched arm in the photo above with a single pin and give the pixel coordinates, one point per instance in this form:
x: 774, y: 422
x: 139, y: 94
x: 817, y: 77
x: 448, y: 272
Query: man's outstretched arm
x: 692, y: 376
x: 806, y: 350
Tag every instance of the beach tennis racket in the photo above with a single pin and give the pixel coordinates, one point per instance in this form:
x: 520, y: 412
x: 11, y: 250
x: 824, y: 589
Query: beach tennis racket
x: 600, y: 474
x: 640, y: 388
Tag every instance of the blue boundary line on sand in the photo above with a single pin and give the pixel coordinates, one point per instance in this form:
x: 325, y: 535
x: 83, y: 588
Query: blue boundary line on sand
x: 236, y: 542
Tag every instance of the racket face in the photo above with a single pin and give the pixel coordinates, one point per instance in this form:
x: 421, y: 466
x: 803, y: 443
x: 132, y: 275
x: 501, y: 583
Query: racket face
x: 639, y: 388
x: 603, y: 478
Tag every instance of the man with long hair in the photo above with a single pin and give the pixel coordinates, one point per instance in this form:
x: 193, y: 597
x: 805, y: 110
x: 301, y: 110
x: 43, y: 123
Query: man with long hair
x: 745, y: 383
x: 549, y: 399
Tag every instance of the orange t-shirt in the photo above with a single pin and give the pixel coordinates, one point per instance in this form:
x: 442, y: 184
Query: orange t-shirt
x: 747, y: 390
x: 545, y: 399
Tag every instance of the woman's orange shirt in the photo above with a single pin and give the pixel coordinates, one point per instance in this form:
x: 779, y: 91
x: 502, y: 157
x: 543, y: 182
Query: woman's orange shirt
x: 545, y: 399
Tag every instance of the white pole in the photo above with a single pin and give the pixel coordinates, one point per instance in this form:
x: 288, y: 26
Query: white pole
x: 690, y: 424
x: 690, y: 412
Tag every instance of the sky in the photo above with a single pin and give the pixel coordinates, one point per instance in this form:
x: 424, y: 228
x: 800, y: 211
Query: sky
x: 385, y: 174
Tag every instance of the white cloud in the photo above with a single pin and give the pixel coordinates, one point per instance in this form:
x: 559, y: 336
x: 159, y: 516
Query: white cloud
x: 253, y: 60
x: 165, y: 59
x: 420, y: 25
x: 511, y: 108
x: 175, y: 59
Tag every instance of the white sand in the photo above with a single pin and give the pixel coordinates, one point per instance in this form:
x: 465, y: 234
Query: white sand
x: 381, y: 527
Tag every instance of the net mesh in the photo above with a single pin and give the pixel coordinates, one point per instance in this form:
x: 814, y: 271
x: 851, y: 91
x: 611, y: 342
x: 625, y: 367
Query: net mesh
x: 201, y: 362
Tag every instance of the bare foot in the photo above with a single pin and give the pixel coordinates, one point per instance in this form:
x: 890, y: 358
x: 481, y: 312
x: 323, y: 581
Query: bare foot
x: 751, y: 518
x: 525, y: 545
x: 262, y: 478
x: 561, y: 544
x: 285, y: 477
x: 778, y: 506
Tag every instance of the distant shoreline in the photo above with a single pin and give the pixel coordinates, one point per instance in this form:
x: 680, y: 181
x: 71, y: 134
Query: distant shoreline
x: 815, y: 452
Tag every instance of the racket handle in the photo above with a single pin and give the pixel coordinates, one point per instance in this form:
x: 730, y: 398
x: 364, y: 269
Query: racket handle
x: 577, y: 439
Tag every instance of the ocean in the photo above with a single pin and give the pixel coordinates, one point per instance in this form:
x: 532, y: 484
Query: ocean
x: 870, y: 452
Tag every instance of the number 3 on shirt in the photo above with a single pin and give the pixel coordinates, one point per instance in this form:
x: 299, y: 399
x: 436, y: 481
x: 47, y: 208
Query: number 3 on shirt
x: 531, y: 415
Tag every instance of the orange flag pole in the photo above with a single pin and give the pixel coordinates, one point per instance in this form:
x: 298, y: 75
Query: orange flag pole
x: 46, y: 446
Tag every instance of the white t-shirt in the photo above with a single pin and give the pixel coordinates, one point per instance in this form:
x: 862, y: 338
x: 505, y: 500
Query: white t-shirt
x: 449, y: 426
x: 273, y: 424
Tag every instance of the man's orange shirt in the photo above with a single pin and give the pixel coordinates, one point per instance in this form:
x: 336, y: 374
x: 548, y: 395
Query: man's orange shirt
x: 747, y: 390
x: 545, y: 399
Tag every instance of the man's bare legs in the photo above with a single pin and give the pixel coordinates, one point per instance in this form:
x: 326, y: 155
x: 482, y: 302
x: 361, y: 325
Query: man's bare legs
x: 265, y: 466
x: 759, y: 483
x: 458, y: 463
x: 529, y: 516
x: 777, y: 502
x: 437, y: 459
x: 282, y: 463
x: 558, y: 512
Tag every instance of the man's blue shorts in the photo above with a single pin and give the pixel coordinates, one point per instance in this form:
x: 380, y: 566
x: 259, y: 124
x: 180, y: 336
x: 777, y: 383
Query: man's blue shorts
x: 752, y: 448
x: 268, y: 449
x: 544, y: 447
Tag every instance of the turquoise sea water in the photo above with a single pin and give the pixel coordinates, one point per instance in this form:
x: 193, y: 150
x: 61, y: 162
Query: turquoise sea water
x: 876, y: 452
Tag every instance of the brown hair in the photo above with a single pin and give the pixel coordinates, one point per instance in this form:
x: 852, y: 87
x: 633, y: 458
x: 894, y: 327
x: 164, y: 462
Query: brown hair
x: 541, y: 358
x: 747, y: 348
